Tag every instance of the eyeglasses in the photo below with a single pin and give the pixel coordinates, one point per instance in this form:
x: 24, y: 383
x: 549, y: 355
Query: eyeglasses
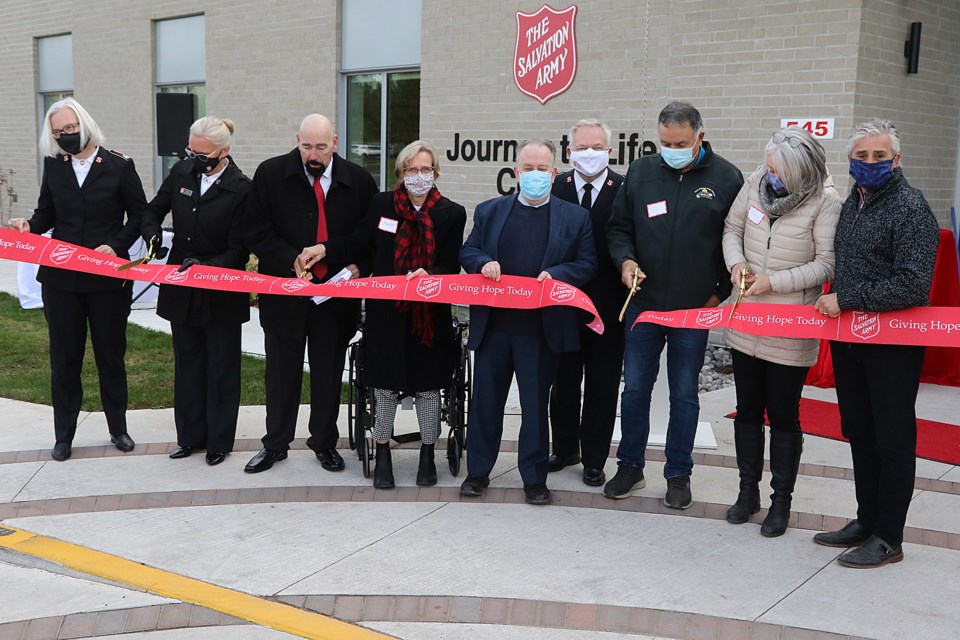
x: 412, y: 171
x: 780, y: 137
x: 204, y: 157
x: 70, y: 128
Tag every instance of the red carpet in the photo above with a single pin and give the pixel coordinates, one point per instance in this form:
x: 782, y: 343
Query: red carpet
x: 935, y: 440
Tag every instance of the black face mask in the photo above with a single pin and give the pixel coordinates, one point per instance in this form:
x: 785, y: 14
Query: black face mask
x: 316, y: 171
x: 205, y: 166
x: 70, y: 143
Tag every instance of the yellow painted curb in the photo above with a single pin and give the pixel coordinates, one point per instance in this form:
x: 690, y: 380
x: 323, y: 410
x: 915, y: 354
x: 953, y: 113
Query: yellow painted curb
x: 263, y: 612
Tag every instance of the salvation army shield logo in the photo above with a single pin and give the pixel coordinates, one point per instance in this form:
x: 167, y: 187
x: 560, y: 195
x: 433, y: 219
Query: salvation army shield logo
x: 545, y: 58
x: 865, y: 325
x: 176, y: 277
x: 61, y: 253
x: 294, y: 285
x: 429, y: 287
x: 562, y: 292
x: 709, y: 318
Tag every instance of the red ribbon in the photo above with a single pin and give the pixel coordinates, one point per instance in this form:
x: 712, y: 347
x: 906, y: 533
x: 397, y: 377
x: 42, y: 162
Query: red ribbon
x: 919, y: 326
x: 511, y: 292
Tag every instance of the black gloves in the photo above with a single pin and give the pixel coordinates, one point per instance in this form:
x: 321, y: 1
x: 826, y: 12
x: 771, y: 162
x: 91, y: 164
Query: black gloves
x: 187, y: 263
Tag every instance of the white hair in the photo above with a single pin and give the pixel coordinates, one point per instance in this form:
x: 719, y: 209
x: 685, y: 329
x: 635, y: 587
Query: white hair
x: 874, y: 127
x: 590, y: 122
x: 216, y: 130
x: 90, y: 133
x: 799, y: 160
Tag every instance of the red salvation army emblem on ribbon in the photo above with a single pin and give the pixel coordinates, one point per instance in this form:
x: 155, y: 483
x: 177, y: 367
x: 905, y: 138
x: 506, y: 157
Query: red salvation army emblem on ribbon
x: 545, y: 58
x: 294, y: 285
x: 562, y: 292
x: 865, y: 325
x: 708, y: 318
x: 429, y: 287
x: 177, y: 276
x: 61, y: 253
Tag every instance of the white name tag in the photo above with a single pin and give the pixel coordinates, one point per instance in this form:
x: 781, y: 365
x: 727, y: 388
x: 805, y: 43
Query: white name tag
x: 185, y: 191
x: 755, y: 215
x: 388, y: 224
x: 655, y: 209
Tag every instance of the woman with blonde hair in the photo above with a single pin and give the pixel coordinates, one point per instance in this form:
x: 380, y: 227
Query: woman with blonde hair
x: 413, y: 231
x: 778, y: 240
x: 207, y: 194
x: 84, y: 194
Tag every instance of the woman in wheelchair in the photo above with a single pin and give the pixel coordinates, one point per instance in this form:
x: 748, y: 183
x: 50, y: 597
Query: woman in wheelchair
x: 411, y: 347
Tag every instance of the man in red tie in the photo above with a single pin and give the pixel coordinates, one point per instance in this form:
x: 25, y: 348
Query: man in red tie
x: 300, y: 198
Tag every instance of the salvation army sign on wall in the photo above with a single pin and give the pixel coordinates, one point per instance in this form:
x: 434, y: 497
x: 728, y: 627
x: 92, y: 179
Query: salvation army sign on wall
x: 545, y: 59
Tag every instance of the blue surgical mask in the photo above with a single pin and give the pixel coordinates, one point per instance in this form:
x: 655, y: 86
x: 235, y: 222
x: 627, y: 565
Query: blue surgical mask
x: 777, y: 185
x: 871, y: 175
x: 535, y: 185
x: 677, y: 158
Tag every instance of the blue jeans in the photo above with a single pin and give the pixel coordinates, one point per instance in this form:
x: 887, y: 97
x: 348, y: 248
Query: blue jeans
x: 641, y: 363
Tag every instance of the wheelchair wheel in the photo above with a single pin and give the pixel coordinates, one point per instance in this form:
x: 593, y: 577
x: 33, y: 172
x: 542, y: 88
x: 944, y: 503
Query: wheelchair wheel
x: 459, y: 397
x: 362, y: 432
x: 352, y: 418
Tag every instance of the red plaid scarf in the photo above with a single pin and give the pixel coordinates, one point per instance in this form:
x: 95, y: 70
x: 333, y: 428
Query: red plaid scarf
x: 414, y: 247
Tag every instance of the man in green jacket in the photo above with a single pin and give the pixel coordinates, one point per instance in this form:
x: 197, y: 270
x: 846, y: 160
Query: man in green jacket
x: 665, y: 234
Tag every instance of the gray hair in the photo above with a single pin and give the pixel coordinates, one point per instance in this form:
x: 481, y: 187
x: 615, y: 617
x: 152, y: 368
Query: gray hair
x: 874, y: 127
x: 409, y: 152
x: 682, y: 113
x: 538, y: 142
x: 590, y: 122
x: 89, y: 131
x: 799, y: 160
x: 216, y: 130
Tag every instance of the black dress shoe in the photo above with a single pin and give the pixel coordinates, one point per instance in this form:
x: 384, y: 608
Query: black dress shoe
x: 873, y: 553
x: 853, y: 534
x: 264, y: 460
x: 123, y: 442
x: 214, y: 459
x: 180, y: 452
x: 594, y: 477
x: 556, y: 463
x: 61, y: 451
x: 537, y: 494
x: 473, y: 486
x: 330, y: 459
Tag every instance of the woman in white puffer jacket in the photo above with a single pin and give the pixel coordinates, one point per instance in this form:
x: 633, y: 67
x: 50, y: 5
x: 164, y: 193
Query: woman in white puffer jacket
x: 780, y: 228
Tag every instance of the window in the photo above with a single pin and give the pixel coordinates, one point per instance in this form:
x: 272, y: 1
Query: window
x: 55, y: 65
x: 180, y: 86
x: 380, y: 108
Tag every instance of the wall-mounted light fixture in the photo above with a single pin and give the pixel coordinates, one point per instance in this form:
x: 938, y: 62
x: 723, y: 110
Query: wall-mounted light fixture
x: 911, y: 48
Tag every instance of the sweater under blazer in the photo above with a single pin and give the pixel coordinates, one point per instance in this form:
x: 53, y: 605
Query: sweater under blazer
x: 794, y: 250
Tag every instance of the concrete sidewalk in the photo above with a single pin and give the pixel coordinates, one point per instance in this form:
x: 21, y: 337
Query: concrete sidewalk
x: 422, y: 563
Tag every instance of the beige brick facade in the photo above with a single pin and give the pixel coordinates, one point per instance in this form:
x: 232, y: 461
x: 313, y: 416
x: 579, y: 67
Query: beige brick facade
x: 746, y: 64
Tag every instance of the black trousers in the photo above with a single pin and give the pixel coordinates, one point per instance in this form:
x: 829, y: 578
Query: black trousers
x: 499, y: 357
x: 877, y: 387
x: 68, y: 314
x: 206, y: 386
x: 768, y: 387
x: 598, y: 367
x: 325, y: 332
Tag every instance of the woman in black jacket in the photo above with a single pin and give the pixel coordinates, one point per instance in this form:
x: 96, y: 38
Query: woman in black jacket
x: 411, y: 346
x: 207, y: 194
x: 83, y: 196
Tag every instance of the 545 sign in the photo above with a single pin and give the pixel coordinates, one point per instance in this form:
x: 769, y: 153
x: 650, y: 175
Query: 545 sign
x: 817, y: 127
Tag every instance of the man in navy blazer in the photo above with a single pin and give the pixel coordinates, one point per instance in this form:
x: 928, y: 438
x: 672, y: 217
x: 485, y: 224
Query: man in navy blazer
x: 534, y: 235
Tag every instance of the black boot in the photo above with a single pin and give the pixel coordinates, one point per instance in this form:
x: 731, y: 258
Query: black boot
x: 785, y: 448
x: 749, y: 442
x: 427, y: 472
x: 383, y: 472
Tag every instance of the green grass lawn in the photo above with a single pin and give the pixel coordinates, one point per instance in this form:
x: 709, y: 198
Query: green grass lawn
x: 25, y: 364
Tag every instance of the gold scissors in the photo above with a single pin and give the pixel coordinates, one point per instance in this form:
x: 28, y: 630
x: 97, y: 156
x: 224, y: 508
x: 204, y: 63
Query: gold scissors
x: 302, y: 272
x: 743, y: 288
x: 151, y: 254
x: 633, y: 291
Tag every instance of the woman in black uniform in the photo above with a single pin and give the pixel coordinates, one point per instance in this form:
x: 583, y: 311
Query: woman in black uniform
x: 411, y: 346
x: 207, y: 194
x: 84, y: 194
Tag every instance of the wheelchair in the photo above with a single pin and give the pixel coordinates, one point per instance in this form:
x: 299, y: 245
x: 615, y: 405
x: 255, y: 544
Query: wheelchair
x: 455, y: 401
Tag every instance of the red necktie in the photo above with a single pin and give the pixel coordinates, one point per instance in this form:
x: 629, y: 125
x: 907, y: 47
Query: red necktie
x: 320, y: 268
